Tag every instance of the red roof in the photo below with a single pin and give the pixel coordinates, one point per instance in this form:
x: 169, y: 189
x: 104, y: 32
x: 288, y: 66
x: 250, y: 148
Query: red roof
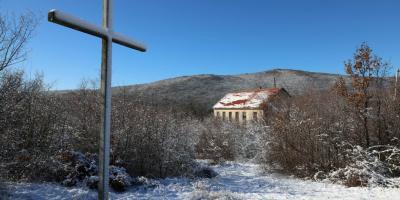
x: 247, y: 98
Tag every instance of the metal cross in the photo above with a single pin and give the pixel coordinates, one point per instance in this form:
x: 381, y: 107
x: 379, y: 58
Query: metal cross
x: 107, y: 36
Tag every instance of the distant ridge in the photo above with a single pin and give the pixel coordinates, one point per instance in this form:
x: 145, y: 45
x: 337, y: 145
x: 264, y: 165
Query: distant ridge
x: 206, y: 89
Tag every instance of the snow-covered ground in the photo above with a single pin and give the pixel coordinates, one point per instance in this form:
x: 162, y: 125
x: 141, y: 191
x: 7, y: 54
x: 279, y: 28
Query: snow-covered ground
x: 235, y: 181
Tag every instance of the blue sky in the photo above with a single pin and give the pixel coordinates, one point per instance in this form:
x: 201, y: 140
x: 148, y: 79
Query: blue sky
x: 186, y: 37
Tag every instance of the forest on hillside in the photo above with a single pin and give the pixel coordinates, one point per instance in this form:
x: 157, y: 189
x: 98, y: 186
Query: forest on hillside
x: 347, y: 134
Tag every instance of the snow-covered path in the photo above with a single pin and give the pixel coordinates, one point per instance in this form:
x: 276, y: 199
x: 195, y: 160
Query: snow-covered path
x: 235, y: 181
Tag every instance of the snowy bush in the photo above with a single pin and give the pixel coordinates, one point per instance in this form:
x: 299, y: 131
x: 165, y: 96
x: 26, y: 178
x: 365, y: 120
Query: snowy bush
x: 82, y: 169
x: 119, y: 178
x: 202, y: 170
x: 388, y: 154
x: 205, y: 172
x: 203, y: 190
x: 78, y: 167
x: 223, y: 140
x: 216, y: 140
x: 368, y: 167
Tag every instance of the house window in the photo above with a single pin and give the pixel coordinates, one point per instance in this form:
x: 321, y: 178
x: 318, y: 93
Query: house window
x: 230, y: 115
x: 237, y: 116
x: 244, y: 116
x: 223, y: 115
x: 218, y: 114
x: 255, y: 115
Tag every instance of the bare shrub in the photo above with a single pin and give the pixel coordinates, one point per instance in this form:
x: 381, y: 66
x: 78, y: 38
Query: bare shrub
x: 83, y: 110
x: 152, y: 140
x: 29, y: 125
x: 216, y: 140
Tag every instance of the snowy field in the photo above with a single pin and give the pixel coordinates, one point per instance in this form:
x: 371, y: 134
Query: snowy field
x: 235, y: 181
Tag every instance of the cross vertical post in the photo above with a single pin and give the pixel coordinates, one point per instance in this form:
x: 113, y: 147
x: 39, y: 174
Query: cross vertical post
x: 105, y: 89
x: 108, y: 36
x: 395, y: 83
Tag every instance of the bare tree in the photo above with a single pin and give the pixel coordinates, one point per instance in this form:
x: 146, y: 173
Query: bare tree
x: 366, y: 71
x: 14, y: 35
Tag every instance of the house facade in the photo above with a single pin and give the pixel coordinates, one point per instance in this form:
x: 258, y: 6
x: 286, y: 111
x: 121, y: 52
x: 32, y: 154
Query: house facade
x: 247, y: 105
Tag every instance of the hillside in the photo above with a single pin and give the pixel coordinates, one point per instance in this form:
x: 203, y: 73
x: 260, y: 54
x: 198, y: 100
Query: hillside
x: 205, y: 90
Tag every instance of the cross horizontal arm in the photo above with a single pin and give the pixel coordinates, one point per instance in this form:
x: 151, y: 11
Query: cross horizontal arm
x: 125, y: 41
x: 67, y: 20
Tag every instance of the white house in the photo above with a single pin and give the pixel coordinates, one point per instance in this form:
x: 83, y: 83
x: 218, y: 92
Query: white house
x: 246, y: 105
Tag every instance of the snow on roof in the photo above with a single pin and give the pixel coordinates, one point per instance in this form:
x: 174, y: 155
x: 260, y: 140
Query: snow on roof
x: 246, y: 99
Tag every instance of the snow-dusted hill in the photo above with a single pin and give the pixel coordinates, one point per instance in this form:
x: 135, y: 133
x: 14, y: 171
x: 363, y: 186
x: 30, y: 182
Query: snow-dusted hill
x: 203, y: 91
x: 235, y: 181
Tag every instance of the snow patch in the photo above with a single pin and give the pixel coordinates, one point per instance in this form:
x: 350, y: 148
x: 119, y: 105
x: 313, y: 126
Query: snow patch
x: 235, y: 181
